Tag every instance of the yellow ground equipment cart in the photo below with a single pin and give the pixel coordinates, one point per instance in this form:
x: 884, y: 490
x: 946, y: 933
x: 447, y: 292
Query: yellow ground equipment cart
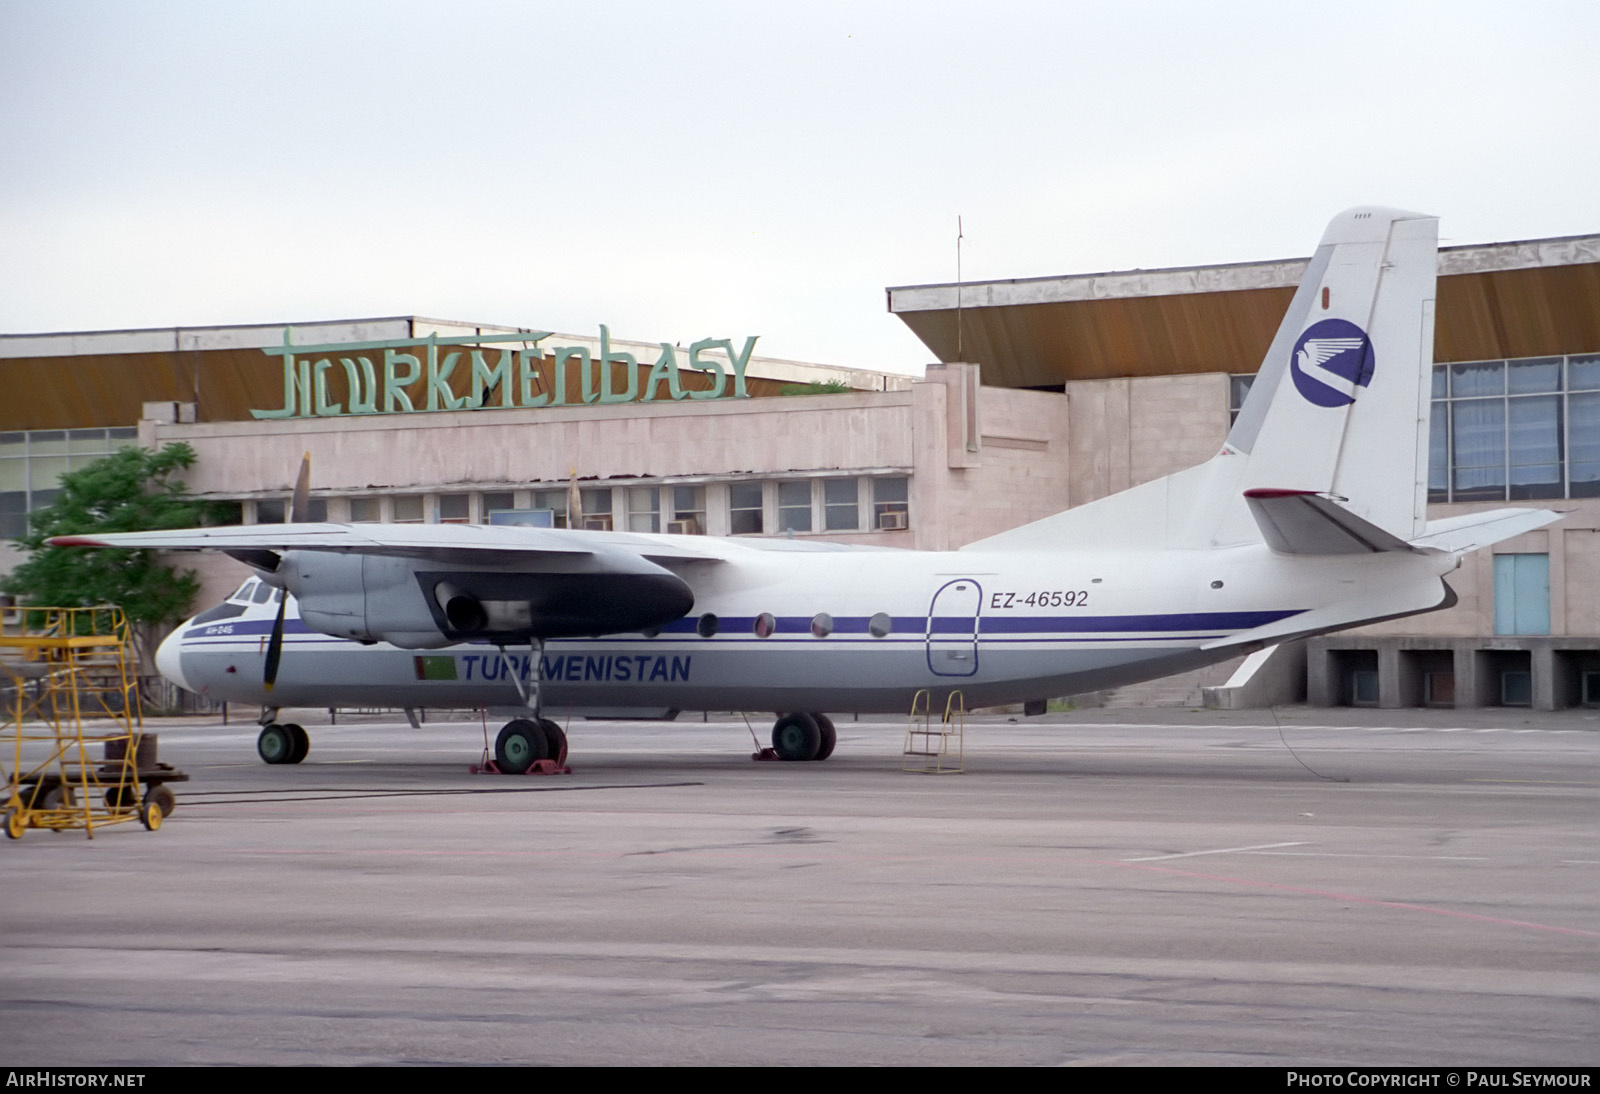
x: 61, y: 667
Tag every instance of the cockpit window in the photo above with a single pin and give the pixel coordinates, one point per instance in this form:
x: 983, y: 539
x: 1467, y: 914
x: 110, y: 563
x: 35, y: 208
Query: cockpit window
x: 263, y: 593
x: 241, y: 595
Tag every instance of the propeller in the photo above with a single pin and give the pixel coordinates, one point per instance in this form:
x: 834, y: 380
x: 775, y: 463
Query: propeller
x: 299, y: 513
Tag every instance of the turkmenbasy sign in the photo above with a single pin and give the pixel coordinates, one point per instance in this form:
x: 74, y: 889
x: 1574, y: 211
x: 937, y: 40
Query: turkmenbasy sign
x: 378, y: 375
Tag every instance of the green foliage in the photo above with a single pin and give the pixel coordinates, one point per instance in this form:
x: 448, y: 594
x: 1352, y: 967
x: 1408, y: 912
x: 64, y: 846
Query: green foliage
x: 826, y: 387
x: 133, y: 490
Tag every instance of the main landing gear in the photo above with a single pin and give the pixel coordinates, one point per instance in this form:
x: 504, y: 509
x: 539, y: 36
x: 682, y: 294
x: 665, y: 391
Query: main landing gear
x: 803, y: 735
x: 283, y: 744
x: 534, y: 743
x: 523, y: 742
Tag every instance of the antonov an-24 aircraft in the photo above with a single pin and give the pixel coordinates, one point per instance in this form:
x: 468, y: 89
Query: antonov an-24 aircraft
x: 1310, y: 519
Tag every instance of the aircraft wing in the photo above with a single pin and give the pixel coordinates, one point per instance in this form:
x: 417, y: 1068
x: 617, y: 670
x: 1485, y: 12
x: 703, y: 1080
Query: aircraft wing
x: 464, y: 544
x: 443, y: 543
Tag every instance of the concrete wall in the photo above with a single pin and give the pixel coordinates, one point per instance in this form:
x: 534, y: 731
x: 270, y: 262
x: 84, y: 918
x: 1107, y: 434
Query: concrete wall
x: 979, y: 460
x: 524, y: 447
x: 1573, y: 545
x: 981, y: 469
x: 1128, y: 431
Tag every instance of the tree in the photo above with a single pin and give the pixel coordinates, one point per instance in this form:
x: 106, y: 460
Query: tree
x: 134, y: 490
x: 816, y: 387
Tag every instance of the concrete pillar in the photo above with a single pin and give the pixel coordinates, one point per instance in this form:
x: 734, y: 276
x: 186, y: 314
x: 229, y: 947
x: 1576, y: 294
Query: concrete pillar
x: 1544, y: 677
x: 930, y: 474
x: 1466, y: 667
x: 1322, y: 682
x: 1391, y: 693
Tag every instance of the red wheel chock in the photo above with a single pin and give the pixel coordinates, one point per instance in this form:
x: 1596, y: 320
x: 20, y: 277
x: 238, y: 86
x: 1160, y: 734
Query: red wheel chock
x: 487, y: 766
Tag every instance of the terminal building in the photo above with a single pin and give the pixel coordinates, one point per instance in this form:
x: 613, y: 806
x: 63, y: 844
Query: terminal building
x: 1049, y: 393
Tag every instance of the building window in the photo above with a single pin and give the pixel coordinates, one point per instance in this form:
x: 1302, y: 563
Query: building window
x: 408, y: 509
x: 794, y: 506
x: 1514, y: 430
x: 33, y: 461
x: 596, y: 508
x: 841, y: 510
x: 890, y: 508
x: 455, y: 508
x: 688, y: 510
x: 744, y: 509
x: 644, y: 509
x: 1238, y: 390
x: 365, y: 511
x: 554, y: 502
x: 494, y: 502
x: 276, y: 510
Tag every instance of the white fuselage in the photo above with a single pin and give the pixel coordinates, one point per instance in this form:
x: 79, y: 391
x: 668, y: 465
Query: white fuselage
x: 857, y: 632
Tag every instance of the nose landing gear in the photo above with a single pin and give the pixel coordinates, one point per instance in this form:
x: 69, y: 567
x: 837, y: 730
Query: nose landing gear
x: 283, y: 744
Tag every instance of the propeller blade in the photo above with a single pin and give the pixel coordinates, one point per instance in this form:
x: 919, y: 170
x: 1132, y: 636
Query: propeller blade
x: 299, y: 513
x: 275, y: 645
x: 300, y: 507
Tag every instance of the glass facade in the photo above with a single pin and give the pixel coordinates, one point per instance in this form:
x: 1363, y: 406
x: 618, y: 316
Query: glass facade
x: 1515, y: 430
x: 33, y: 461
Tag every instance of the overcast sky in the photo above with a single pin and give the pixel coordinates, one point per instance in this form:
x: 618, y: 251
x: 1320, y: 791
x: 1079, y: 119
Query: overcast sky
x: 692, y: 169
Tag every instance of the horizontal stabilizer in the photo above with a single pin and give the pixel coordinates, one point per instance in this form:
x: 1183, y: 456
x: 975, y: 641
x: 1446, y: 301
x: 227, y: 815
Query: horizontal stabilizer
x: 1470, y: 531
x: 1299, y: 522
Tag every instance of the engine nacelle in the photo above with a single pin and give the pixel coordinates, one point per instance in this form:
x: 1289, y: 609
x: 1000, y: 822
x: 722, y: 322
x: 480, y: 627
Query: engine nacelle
x: 421, y: 604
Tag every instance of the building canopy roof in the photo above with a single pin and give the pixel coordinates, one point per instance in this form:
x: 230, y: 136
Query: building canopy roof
x: 103, y: 378
x: 1524, y: 299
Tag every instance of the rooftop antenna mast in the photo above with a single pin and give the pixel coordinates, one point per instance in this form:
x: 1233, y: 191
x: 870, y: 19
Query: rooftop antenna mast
x: 958, y: 289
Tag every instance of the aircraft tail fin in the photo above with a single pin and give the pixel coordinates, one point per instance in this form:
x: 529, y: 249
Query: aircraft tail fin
x: 1339, y: 408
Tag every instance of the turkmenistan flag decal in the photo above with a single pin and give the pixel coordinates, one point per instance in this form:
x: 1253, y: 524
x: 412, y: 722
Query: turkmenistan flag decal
x: 436, y: 668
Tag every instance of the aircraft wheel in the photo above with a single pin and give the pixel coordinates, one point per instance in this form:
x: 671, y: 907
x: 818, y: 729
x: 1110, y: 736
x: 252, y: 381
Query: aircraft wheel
x: 796, y: 736
x: 275, y: 745
x: 58, y: 797
x: 122, y: 797
x: 830, y: 736
x: 299, y: 743
x: 556, y: 738
x: 162, y: 798
x: 520, y: 744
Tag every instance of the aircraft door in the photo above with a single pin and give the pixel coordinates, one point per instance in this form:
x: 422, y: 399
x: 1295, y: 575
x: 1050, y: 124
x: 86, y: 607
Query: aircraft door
x: 953, y: 628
